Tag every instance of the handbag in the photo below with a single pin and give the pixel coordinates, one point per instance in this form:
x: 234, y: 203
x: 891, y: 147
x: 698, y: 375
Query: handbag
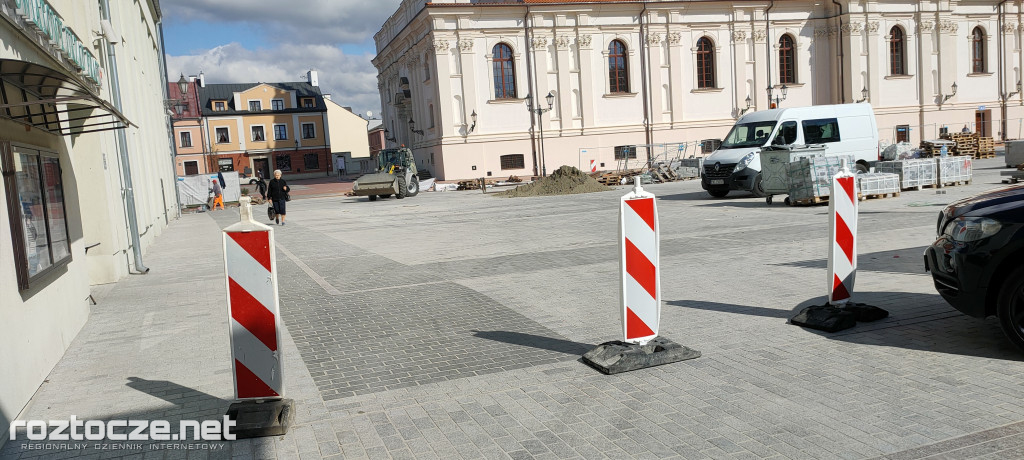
x: 287, y: 196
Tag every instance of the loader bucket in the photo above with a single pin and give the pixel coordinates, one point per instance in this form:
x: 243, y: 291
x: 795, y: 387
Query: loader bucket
x: 379, y: 183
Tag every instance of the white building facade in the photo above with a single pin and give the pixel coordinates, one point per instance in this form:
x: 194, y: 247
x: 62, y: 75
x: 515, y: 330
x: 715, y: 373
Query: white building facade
x: 634, y: 73
x: 69, y: 217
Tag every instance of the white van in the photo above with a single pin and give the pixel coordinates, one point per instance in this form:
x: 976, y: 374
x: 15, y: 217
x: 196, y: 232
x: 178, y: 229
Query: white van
x: 843, y: 129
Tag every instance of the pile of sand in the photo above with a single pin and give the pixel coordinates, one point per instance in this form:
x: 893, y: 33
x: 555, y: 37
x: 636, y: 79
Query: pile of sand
x: 567, y: 180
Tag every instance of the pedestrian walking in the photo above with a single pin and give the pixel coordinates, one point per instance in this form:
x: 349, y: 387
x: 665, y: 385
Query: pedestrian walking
x: 278, y: 190
x: 218, y: 194
x: 339, y: 164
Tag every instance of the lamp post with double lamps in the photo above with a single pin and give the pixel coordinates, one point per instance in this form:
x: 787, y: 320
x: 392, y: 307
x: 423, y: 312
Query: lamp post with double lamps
x: 550, y: 98
x: 783, y: 91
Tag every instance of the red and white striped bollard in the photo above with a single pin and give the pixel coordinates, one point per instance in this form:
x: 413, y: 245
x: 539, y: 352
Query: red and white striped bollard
x: 842, y: 256
x: 639, y: 253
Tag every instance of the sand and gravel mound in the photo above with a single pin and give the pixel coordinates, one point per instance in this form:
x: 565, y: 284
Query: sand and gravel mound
x: 567, y: 180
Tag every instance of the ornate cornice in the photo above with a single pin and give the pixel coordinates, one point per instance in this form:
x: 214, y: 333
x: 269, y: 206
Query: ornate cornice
x: 760, y: 35
x: 739, y: 35
x: 540, y: 42
x: 872, y: 27
x: 926, y: 26
x: 584, y: 41
x: 852, y: 28
x: 466, y: 45
x: 653, y: 38
x: 674, y: 38
x: 440, y: 45
x: 949, y: 27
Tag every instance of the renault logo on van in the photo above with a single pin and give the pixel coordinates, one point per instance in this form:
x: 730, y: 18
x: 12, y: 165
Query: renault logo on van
x: 718, y: 166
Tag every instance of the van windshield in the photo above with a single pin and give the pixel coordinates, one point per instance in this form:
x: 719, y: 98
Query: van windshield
x: 749, y: 135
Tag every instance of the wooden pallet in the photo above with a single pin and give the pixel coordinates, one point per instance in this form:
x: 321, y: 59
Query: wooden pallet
x: 879, y: 195
x: 955, y: 183
x: 469, y: 185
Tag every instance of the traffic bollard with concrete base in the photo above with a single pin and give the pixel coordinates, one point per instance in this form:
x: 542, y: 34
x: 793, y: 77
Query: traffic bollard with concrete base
x: 839, y: 312
x: 255, y: 329
x: 640, y: 293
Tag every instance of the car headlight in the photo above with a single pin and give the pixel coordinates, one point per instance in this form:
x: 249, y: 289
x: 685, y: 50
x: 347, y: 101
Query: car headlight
x: 744, y: 162
x: 965, y: 229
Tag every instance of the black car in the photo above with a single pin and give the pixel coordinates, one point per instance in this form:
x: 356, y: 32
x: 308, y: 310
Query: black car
x: 977, y: 262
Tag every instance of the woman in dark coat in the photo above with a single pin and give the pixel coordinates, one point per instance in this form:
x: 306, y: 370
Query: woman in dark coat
x: 278, y: 190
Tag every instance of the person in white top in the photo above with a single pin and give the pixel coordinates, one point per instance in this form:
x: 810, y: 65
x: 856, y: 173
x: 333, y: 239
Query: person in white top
x: 339, y: 164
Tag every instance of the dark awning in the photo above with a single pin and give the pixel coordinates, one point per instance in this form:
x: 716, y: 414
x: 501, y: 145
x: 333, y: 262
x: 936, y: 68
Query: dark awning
x: 30, y: 94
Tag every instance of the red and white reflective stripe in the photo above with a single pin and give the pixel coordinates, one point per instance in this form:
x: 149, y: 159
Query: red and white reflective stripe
x: 641, y: 276
x: 842, y: 257
x: 253, y: 312
x: 593, y: 165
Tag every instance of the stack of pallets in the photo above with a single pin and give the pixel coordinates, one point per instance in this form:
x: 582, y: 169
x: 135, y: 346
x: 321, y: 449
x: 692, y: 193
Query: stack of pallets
x: 933, y: 148
x: 966, y: 144
x: 986, y: 148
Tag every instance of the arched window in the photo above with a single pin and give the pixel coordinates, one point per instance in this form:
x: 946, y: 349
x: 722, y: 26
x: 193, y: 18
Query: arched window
x: 978, y: 50
x: 705, y: 63
x: 618, y: 75
x: 897, y: 45
x: 504, y: 72
x: 787, y: 60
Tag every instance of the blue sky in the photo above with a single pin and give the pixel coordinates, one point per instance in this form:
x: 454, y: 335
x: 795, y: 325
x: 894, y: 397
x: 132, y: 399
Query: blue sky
x: 242, y: 41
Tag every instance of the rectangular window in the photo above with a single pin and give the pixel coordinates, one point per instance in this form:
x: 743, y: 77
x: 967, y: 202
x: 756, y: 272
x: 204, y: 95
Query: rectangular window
x: 186, y: 139
x: 222, y: 136
x: 623, y: 152
x: 311, y: 160
x: 255, y: 106
x: 225, y: 165
x: 308, y: 130
x: 219, y: 106
x: 511, y: 161
x: 36, y: 208
x: 257, y: 134
x: 280, y: 132
x: 821, y: 131
x: 308, y: 102
x: 277, y: 104
x: 283, y: 162
x: 191, y: 168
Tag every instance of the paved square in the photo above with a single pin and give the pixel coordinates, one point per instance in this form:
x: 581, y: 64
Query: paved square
x: 450, y: 325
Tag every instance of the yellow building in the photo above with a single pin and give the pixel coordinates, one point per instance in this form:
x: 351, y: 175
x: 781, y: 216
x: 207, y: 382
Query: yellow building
x: 260, y: 127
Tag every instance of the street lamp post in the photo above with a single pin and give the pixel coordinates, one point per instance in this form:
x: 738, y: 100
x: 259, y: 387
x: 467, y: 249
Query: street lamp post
x: 784, y: 91
x: 550, y: 98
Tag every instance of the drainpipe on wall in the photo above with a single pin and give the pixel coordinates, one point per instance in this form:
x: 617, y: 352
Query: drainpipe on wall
x: 1001, y: 77
x: 170, y: 122
x: 768, y: 47
x: 122, y: 146
x: 644, y: 63
x: 839, y: 43
x: 528, y: 33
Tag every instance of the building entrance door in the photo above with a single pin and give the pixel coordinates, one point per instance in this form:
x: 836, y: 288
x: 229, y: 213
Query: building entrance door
x: 262, y: 166
x: 983, y: 122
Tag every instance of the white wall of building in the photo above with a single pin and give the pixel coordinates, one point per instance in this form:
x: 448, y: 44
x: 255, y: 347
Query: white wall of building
x: 347, y: 135
x: 443, y: 52
x: 38, y: 324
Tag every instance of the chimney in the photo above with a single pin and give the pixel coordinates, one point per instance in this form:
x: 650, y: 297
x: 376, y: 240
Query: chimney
x: 327, y: 96
x: 311, y: 78
x: 202, y: 79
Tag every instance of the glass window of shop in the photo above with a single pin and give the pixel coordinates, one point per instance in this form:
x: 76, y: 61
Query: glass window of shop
x: 32, y: 178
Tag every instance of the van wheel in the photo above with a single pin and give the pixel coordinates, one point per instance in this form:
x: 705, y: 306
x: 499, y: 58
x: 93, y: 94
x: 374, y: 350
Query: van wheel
x: 759, y: 187
x: 718, y: 193
x: 1010, y: 307
x: 862, y: 168
x: 373, y: 197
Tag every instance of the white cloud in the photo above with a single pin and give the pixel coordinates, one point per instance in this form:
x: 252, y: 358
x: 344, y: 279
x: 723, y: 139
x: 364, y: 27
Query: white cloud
x: 304, y: 21
x: 350, y: 79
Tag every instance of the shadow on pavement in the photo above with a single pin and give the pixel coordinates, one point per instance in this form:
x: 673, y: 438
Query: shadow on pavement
x: 924, y: 322
x: 737, y: 309
x: 921, y: 322
x: 898, y: 261
x: 181, y: 396
x: 536, y: 341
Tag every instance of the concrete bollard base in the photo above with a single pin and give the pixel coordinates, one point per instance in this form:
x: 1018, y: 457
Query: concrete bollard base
x: 256, y: 419
x: 830, y: 318
x: 616, y: 356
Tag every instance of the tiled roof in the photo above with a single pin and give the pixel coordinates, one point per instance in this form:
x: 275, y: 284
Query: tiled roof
x: 226, y: 92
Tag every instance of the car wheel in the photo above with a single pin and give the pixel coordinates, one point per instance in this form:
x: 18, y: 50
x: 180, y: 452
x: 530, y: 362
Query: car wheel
x: 1010, y: 307
x: 718, y: 193
x: 758, y: 187
x: 373, y: 197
